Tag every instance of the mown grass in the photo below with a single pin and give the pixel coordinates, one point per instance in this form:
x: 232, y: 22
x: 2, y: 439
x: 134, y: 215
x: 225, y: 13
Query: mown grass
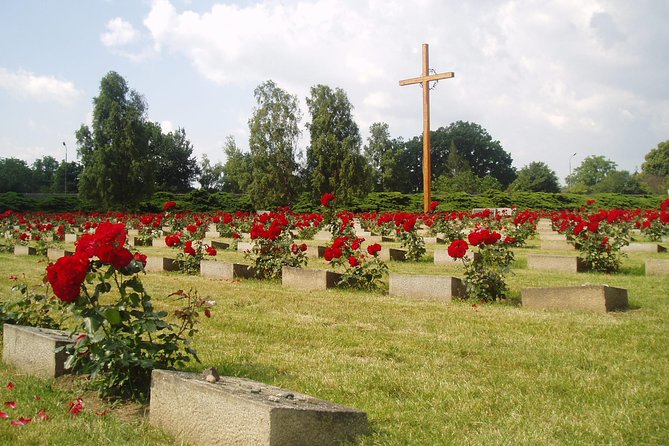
x: 425, y: 372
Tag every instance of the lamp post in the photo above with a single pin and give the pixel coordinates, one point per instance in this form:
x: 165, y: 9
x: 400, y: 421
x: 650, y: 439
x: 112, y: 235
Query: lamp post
x: 65, y: 145
x: 569, y: 168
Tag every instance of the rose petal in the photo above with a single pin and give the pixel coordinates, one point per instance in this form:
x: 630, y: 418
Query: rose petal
x: 3, y: 415
x: 42, y: 415
x: 11, y: 404
x: 10, y: 386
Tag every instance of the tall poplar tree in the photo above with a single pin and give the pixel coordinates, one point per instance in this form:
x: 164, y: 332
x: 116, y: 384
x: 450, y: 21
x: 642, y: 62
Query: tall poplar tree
x: 274, y: 131
x: 334, y: 161
x: 115, y: 153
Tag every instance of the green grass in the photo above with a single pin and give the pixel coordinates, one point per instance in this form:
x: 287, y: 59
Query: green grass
x: 425, y: 372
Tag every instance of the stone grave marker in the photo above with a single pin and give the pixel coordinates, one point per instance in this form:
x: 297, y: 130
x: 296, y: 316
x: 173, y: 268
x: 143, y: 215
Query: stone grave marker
x: 32, y: 350
x: 158, y: 242
x: 216, y: 269
x: 657, y: 267
x: 156, y: 264
x: 556, y: 245
x: 22, y: 250
x: 308, y: 279
x: 643, y: 247
x: 421, y: 286
x: 56, y: 253
x: 556, y: 263
x: 238, y: 411
x: 598, y: 298
x: 388, y: 254
x: 219, y: 245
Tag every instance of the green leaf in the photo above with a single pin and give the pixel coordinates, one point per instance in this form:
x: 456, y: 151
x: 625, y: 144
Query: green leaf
x: 112, y: 315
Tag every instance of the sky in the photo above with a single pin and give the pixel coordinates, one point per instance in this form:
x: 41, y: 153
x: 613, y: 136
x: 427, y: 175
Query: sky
x: 554, y: 81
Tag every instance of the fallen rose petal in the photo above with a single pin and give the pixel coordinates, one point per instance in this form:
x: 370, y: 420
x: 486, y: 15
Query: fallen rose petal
x: 101, y: 414
x: 3, y: 415
x: 11, y: 404
x: 76, y: 406
x: 20, y: 422
x: 38, y: 398
x: 10, y: 386
x: 42, y: 415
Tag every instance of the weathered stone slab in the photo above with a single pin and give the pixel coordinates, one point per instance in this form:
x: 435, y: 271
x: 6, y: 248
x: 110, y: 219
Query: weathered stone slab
x: 362, y: 233
x: 241, y: 412
x: 373, y: 239
x: 394, y: 254
x: 226, y: 270
x: 244, y: 246
x: 441, y: 257
x: 133, y: 232
x: 422, y: 286
x: 563, y: 264
x: 158, y: 242
x: 433, y: 240
x: 56, y: 253
x: 22, y: 250
x: 657, y: 267
x: 557, y: 245
x: 212, y: 234
x: 32, y: 350
x: 387, y: 238
x: 312, y: 252
x: 323, y: 236
x: 219, y: 245
x: 71, y: 238
x: 155, y: 264
x: 643, y: 247
x: 553, y: 236
x: 308, y: 279
x: 598, y: 298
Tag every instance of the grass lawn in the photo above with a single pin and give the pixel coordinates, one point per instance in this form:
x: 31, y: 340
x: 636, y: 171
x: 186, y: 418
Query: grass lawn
x: 426, y: 373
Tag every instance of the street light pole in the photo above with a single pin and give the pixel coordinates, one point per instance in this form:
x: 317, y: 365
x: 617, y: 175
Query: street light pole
x: 569, y: 167
x: 65, y: 145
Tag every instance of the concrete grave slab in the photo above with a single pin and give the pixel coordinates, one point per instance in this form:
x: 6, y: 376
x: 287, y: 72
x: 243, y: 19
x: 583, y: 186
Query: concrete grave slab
x: 308, y: 279
x: 422, y: 286
x: 22, y: 250
x: 556, y: 245
x: 155, y: 264
x: 563, y: 264
x: 56, y: 253
x: 226, y: 270
x: 32, y: 350
x: 598, y: 298
x: 643, y: 247
x: 657, y: 267
x: 219, y: 245
x: 238, y: 411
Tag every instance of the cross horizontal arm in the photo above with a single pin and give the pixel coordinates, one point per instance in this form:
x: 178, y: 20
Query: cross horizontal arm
x: 432, y: 77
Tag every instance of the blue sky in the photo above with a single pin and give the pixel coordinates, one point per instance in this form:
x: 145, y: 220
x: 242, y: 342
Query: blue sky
x: 546, y: 78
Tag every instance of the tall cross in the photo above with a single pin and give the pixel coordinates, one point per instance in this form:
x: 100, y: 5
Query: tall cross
x: 425, y: 80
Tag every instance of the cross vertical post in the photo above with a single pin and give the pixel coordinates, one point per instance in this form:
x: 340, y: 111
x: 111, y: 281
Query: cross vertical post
x: 425, y: 80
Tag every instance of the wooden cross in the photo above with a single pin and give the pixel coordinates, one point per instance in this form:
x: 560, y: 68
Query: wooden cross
x: 425, y: 80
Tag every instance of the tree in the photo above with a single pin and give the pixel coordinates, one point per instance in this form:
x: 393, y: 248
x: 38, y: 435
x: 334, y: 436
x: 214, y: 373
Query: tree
x: 73, y: 171
x: 176, y: 167
x: 535, y: 177
x: 237, y: 170
x: 334, y: 161
x: 591, y: 171
x: 15, y: 175
x: 621, y: 182
x: 380, y: 155
x: 117, y: 161
x: 211, y: 177
x: 43, y: 172
x: 474, y: 144
x: 274, y: 131
x: 655, y: 169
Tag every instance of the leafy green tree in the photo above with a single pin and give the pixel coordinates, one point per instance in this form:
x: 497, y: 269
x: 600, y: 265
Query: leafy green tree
x: 535, y: 177
x: 44, y: 170
x: 334, y: 161
x: 15, y: 175
x: 115, y: 151
x: 474, y: 144
x: 380, y: 155
x: 655, y: 169
x: 73, y: 171
x: 274, y: 131
x: 211, y: 176
x: 237, y: 170
x: 591, y: 171
x: 621, y: 182
x: 176, y: 167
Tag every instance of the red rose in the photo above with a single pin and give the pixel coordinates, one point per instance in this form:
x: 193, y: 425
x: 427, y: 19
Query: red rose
x: 169, y: 205
x: 458, y: 248
x: 328, y: 254
x: 67, y: 275
x: 303, y: 247
x: 140, y: 258
x: 373, y: 249
x: 188, y: 249
x: 353, y: 261
x: 211, y: 251
x: 327, y: 198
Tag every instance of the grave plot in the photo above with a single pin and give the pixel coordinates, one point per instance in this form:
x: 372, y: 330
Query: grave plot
x: 597, y: 298
x: 308, y: 279
x: 555, y: 263
x: 420, y: 286
x: 32, y: 350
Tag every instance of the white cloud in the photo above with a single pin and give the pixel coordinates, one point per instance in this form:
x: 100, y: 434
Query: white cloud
x: 39, y: 88
x: 167, y: 126
x: 119, y: 33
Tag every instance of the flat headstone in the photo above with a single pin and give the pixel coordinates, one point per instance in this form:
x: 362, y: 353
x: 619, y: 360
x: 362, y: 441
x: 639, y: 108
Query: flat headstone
x: 643, y: 247
x: 394, y: 254
x: 312, y: 252
x: 212, y: 234
x: 133, y: 232
x: 155, y: 264
x: 226, y: 270
x: 71, y: 238
x: 308, y: 279
x: 158, y: 242
x: 219, y: 245
x: 56, y: 253
x: 244, y: 246
x: 422, y: 286
x: 657, y: 267
x: 32, y: 350
x: 241, y: 412
x: 556, y: 245
x: 563, y: 264
x: 387, y: 238
x: 323, y: 235
x: 598, y: 298
x: 553, y: 236
x: 22, y: 250
x: 441, y: 257
x: 433, y: 240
